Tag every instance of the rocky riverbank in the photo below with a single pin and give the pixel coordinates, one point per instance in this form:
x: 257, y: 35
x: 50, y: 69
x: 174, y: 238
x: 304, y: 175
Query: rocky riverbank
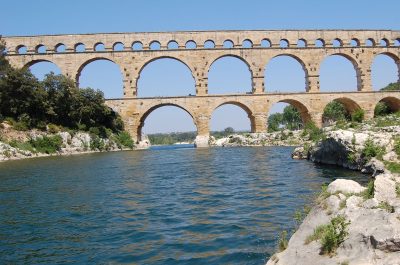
x: 16, y: 144
x: 351, y: 224
x: 285, y: 138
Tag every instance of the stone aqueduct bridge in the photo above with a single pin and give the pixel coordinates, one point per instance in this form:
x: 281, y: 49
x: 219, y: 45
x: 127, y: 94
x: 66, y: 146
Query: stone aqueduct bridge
x: 358, y: 46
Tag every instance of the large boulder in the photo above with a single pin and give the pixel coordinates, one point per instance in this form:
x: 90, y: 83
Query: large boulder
x: 345, y: 186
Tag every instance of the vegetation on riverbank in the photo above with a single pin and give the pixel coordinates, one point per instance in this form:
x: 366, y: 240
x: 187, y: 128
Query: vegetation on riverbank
x: 52, y: 106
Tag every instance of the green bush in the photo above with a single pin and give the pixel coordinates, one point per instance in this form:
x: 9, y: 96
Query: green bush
x: 27, y: 146
x: 331, y: 235
x: 315, y: 133
x: 124, y: 139
x: 282, y: 241
x: 393, y: 167
x: 357, y: 115
x: 20, y: 126
x: 370, y: 191
x: 397, y: 146
x: 47, y: 144
x: 372, y: 150
x: 96, y: 143
x: 382, y: 109
x: 52, y: 128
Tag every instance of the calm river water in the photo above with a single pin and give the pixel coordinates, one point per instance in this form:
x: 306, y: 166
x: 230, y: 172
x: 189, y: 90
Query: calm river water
x: 168, y: 205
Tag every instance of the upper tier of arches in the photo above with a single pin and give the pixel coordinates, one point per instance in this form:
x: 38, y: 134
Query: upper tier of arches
x: 201, y: 40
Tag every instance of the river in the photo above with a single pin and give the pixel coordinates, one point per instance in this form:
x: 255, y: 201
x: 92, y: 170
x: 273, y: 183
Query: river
x: 168, y: 205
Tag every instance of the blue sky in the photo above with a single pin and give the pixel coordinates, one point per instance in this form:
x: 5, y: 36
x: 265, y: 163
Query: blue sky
x: 169, y: 77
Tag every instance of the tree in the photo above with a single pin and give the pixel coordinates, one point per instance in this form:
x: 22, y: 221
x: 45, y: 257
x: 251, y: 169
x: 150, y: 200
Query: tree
x: 382, y: 109
x: 291, y: 118
x: 391, y: 86
x: 229, y: 130
x: 335, y: 111
x: 275, y: 121
x: 4, y: 65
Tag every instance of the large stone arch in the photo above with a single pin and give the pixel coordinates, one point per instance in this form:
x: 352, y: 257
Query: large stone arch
x: 143, y: 66
x: 33, y: 62
x: 239, y: 104
x: 149, y: 110
x: 396, y: 60
x: 352, y: 60
x: 86, y: 62
x: 303, y: 108
x: 212, y: 60
x: 299, y: 60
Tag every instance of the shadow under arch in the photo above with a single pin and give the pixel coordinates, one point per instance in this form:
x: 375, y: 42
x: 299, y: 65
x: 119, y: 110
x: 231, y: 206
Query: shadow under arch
x: 299, y: 60
x: 303, y: 109
x: 243, y: 107
x: 160, y: 58
x: 352, y: 61
x: 349, y: 104
x: 153, y: 108
x: 392, y: 102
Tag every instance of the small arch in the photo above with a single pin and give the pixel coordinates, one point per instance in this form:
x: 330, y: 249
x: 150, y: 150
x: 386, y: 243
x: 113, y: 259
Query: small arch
x: 301, y: 43
x: 247, y: 44
x: 191, y: 44
x: 384, y: 42
x: 80, y: 47
x: 228, y: 44
x: 60, y: 47
x: 337, y: 43
x: 387, y: 105
x: 155, y: 45
x: 137, y: 46
x: 284, y: 43
x: 230, y: 114
x: 21, y: 49
x: 209, y: 44
x: 172, y: 45
x: 40, y: 49
x: 152, y: 109
x: 265, y: 43
x: 118, y: 46
x: 370, y: 42
x: 99, y: 47
x: 397, y: 42
x: 319, y: 43
x: 355, y: 42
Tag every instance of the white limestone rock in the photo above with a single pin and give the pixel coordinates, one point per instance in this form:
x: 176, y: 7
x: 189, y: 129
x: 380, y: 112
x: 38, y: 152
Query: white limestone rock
x: 345, y: 186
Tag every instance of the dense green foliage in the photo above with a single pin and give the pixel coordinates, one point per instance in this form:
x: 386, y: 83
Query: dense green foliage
x: 358, y: 115
x: 331, y: 235
x: 391, y: 86
x: 335, y: 111
x: 123, y: 139
x: 315, y: 134
x: 47, y: 144
x: 372, y: 150
x: 290, y: 119
x: 382, y: 109
x: 56, y: 99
